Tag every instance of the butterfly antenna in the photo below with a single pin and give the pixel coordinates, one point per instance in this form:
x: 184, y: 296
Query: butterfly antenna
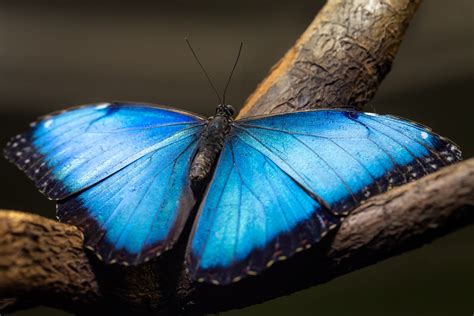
x: 232, y: 72
x: 204, y: 70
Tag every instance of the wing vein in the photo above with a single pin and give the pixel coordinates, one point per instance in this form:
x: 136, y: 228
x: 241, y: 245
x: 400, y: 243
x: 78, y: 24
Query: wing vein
x: 247, y: 186
x: 351, y: 193
x: 212, y: 222
x: 167, y: 186
x: 415, y: 158
x: 414, y: 139
x: 289, y: 166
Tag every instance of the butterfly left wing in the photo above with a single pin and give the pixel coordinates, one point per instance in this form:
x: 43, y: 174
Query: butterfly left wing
x: 283, y: 181
x: 119, y: 171
x: 68, y: 151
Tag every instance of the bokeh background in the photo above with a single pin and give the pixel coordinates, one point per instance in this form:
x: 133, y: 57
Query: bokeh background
x: 56, y: 54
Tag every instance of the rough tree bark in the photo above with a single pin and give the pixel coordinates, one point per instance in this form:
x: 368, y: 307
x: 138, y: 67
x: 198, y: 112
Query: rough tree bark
x: 338, y: 62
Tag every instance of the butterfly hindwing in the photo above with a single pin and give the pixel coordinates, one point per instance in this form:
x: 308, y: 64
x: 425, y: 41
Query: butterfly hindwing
x: 283, y: 180
x: 119, y: 172
x: 138, y: 212
x: 252, y: 215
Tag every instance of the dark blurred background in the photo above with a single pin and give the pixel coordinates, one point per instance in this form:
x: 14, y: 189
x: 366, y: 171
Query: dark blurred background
x: 57, y: 54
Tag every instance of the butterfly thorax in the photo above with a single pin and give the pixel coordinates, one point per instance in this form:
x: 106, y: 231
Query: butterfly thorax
x: 211, y: 143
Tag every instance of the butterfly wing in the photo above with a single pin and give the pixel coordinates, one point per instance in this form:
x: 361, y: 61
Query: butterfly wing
x: 252, y: 215
x: 66, y: 152
x: 138, y: 212
x: 119, y: 171
x: 283, y: 181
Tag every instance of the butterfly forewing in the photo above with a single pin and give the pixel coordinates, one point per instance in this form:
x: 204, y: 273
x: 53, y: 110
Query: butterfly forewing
x: 69, y: 151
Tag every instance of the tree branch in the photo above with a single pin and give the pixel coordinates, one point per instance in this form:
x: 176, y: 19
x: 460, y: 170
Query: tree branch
x: 44, y: 258
x: 338, y: 62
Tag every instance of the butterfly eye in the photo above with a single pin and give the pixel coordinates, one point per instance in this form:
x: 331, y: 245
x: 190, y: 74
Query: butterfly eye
x: 229, y: 109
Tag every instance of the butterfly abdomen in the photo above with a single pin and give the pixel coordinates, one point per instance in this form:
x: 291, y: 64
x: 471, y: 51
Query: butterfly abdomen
x: 210, y: 146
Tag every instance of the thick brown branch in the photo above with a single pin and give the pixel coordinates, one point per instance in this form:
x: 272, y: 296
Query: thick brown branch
x: 339, y: 61
x: 44, y: 258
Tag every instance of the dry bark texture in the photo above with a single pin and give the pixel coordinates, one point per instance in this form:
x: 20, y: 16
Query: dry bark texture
x: 44, y: 258
x: 338, y: 62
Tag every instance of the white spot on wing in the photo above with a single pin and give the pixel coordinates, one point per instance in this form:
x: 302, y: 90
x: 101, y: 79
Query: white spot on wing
x: 424, y: 135
x: 102, y: 106
x: 370, y: 114
x: 48, y: 123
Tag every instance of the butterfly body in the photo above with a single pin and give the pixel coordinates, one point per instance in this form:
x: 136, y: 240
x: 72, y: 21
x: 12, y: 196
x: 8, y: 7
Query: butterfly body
x: 211, y: 143
x: 274, y: 185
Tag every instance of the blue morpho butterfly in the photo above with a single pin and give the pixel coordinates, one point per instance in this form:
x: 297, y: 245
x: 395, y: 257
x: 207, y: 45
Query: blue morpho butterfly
x: 275, y: 185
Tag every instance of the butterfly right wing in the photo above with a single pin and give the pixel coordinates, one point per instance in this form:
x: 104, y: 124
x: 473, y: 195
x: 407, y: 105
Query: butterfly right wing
x: 284, y: 180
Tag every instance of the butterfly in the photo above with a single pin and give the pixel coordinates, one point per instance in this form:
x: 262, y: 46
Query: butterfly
x: 274, y: 185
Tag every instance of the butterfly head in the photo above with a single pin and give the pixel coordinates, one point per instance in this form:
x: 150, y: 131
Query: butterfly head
x: 225, y: 110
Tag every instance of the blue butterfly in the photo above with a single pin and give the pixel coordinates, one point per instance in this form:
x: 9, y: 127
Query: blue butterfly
x: 127, y: 173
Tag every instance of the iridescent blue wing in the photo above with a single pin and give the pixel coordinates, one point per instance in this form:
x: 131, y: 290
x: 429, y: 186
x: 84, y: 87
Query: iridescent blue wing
x: 139, y: 211
x: 66, y: 152
x: 283, y: 181
x: 252, y: 215
x: 119, y: 171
